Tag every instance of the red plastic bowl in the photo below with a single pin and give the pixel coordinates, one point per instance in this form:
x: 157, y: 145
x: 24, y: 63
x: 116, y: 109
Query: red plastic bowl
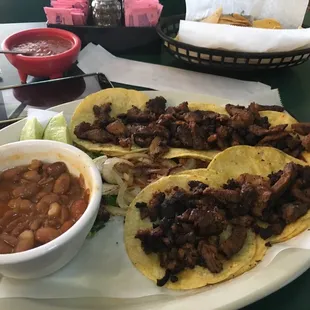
x: 46, y: 66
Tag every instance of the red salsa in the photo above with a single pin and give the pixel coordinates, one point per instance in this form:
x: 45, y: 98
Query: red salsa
x: 44, y: 46
x: 38, y: 203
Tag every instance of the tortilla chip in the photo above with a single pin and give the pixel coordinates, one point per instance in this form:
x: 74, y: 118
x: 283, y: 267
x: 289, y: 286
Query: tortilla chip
x: 267, y: 23
x: 214, y: 18
x: 122, y: 100
x: 190, y: 278
x: 235, y: 19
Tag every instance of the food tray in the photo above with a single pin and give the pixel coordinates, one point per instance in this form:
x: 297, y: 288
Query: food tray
x: 117, y: 40
x: 168, y: 28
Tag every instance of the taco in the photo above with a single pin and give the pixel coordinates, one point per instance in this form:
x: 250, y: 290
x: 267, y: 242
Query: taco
x: 261, y: 161
x: 189, y: 231
x: 105, y: 122
x: 116, y: 101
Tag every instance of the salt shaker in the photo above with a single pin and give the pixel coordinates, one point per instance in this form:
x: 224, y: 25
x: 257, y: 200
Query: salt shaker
x: 106, y: 12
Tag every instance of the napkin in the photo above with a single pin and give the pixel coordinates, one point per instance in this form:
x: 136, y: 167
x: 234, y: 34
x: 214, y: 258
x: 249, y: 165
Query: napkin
x: 246, y: 39
x: 94, y: 58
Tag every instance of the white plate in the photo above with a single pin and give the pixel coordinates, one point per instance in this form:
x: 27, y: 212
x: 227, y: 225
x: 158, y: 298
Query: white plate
x: 233, y: 294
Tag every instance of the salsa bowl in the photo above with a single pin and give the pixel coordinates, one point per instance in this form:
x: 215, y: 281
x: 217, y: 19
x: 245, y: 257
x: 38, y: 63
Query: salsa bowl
x: 53, y: 255
x: 51, y: 66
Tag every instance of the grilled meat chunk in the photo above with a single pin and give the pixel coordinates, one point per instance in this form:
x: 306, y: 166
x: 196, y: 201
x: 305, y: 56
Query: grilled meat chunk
x: 157, y: 105
x: 287, y: 177
x: 234, y: 243
x: 301, y: 128
x: 117, y: 128
x: 305, y: 141
x: 291, y: 212
x: 208, y: 222
x: 210, y: 256
x: 260, y: 107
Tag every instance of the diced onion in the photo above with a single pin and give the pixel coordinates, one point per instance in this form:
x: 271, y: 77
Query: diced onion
x: 115, y: 211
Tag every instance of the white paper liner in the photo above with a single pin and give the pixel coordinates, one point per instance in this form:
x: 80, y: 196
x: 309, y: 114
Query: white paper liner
x: 102, y: 268
x: 95, y: 58
x: 246, y: 39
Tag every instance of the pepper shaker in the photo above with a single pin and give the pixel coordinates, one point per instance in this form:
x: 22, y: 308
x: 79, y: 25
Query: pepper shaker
x: 106, y: 12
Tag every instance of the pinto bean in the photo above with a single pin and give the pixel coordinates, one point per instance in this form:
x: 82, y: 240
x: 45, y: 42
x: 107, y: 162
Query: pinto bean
x: 12, y: 224
x: 78, y: 208
x: 14, y: 203
x: 4, y: 196
x: 66, y: 225
x: 24, y: 182
x: 26, y: 191
x: 32, y: 175
x: 64, y: 200
x: 42, y: 207
x: 39, y: 196
x: 46, y: 180
x: 26, y: 205
x: 36, y: 224
x: 65, y: 214
x: 54, y: 209
x: 50, y: 198
x: 62, y: 184
x: 10, y: 240
x: 19, y: 204
x: 48, y: 188
x: 13, y: 173
x: 20, y: 228
x: 56, y: 169
x: 25, y: 241
x: 5, y: 248
x: 35, y: 164
x: 7, y: 218
x: 46, y: 234
x: 55, y: 223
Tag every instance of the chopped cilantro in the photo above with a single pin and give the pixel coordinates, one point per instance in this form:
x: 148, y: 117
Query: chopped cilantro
x: 110, y: 200
x: 99, y: 223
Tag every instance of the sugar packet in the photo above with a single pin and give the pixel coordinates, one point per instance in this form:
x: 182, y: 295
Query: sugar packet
x: 142, y: 13
x: 68, y: 12
x: 58, y: 16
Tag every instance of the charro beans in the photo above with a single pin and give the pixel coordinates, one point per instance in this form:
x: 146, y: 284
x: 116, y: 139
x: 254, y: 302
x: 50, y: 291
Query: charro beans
x: 62, y: 184
x: 38, y: 203
x: 25, y: 241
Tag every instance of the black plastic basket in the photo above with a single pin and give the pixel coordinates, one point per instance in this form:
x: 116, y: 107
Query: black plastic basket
x: 118, y: 40
x: 168, y: 29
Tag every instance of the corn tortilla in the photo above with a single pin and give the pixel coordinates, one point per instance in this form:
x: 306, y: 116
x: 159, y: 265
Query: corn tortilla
x: 189, y: 278
x: 261, y: 161
x: 122, y: 100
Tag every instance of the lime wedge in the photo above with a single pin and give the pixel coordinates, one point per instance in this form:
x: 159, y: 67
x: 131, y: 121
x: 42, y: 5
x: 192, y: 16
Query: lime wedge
x: 32, y: 130
x: 57, y: 130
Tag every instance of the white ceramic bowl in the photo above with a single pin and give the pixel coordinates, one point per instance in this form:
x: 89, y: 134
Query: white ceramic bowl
x: 50, y: 257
